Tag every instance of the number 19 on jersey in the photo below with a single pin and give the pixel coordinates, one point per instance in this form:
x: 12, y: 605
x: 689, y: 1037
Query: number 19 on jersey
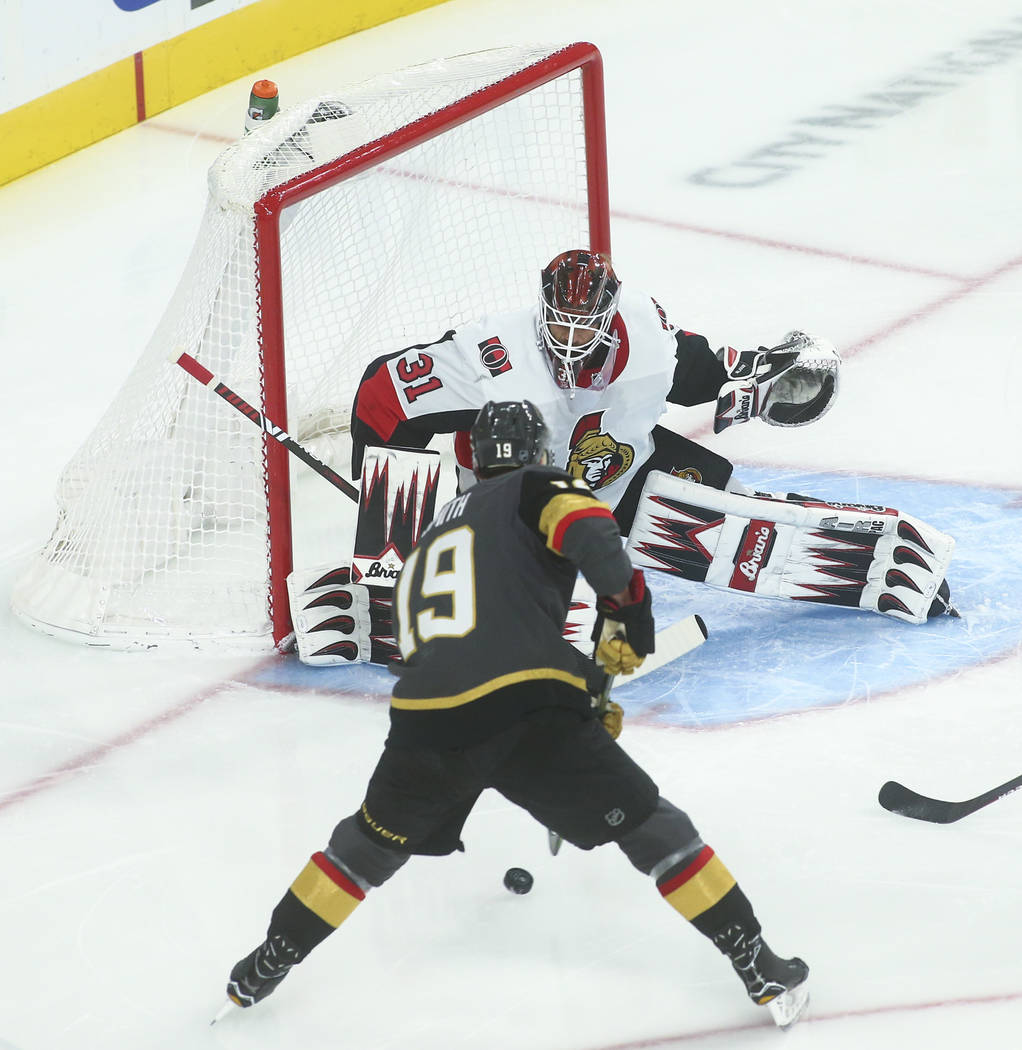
x: 439, y: 601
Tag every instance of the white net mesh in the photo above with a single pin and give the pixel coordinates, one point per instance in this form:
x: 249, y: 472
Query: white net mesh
x: 162, y: 529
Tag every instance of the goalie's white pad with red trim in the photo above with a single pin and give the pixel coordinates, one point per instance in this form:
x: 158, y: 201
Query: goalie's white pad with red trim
x: 578, y: 628
x: 397, y: 501
x: 331, y: 616
x: 846, y: 554
x: 343, y: 614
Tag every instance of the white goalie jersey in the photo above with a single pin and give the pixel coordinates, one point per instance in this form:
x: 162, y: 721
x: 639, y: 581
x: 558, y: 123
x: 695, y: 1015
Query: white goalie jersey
x: 599, y: 432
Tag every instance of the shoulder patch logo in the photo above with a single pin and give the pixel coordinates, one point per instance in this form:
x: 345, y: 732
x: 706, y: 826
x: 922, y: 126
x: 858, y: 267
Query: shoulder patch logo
x: 596, y: 457
x: 494, y: 357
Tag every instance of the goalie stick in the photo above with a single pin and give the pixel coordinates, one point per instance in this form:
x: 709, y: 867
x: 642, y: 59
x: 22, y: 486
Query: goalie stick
x: 896, y: 798
x: 671, y: 644
x: 206, y: 377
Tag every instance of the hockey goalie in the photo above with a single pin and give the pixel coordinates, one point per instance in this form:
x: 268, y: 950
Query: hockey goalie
x: 602, y: 363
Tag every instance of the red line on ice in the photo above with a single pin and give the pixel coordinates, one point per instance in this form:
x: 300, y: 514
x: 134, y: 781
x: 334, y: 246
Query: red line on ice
x: 667, y: 1041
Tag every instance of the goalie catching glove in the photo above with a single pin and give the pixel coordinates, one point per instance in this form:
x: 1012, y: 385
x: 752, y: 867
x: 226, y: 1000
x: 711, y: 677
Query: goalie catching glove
x: 787, y: 386
x: 624, y: 632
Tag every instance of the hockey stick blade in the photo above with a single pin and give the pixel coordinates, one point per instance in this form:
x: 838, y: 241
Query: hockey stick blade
x: 672, y: 643
x: 896, y: 798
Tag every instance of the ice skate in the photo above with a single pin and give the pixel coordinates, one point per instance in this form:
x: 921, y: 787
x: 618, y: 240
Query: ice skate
x: 259, y: 973
x: 778, y: 984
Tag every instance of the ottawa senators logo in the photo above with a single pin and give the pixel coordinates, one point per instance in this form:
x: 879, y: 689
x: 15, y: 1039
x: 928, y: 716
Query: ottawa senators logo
x: 494, y: 357
x: 595, y: 457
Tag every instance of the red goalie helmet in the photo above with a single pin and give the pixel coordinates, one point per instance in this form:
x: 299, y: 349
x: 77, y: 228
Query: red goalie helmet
x: 579, y: 293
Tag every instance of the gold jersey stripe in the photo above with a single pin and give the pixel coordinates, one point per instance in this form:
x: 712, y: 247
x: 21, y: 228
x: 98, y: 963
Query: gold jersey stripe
x: 322, y: 896
x: 560, y: 507
x: 434, y: 703
x: 703, y: 890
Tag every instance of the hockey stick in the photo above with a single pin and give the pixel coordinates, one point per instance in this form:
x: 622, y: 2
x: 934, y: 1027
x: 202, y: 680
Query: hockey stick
x: 896, y: 798
x: 671, y: 644
x: 206, y: 377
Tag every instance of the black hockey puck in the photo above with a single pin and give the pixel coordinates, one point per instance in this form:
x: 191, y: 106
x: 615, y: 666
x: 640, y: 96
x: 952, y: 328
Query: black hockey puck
x: 517, y: 880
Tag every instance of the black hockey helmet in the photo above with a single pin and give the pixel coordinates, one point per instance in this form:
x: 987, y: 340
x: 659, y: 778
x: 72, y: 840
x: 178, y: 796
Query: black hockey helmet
x: 507, y: 435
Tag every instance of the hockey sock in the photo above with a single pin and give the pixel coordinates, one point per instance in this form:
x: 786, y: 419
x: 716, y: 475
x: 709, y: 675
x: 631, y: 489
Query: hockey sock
x: 316, y: 903
x: 706, y: 893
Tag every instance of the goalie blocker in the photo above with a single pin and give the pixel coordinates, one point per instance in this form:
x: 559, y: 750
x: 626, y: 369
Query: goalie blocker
x: 854, y: 555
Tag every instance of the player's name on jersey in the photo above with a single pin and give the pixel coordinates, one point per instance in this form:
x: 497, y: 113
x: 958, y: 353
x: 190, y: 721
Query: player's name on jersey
x: 450, y: 510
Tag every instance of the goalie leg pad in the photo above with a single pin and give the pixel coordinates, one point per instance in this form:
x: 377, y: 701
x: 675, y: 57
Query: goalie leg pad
x: 339, y: 622
x: 331, y: 616
x: 397, y: 501
x: 845, y: 554
x: 578, y: 628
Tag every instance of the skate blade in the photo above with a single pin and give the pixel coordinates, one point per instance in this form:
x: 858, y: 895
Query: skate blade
x: 224, y: 1010
x: 789, y: 1006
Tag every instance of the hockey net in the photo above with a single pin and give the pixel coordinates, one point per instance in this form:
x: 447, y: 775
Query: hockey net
x: 347, y: 227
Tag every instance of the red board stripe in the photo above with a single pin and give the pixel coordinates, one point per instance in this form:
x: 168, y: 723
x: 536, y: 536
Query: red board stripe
x: 139, y: 88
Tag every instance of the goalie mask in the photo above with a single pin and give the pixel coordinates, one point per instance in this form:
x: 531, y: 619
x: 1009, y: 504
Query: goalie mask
x: 507, y: 435
x: 579, y: 293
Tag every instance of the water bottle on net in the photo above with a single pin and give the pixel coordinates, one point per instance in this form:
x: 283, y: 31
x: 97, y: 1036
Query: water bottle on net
x: 263, y: 103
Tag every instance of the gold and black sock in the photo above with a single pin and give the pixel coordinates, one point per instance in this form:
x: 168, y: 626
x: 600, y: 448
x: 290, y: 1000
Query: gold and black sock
x: 316, y: 903
x: 706, y: 893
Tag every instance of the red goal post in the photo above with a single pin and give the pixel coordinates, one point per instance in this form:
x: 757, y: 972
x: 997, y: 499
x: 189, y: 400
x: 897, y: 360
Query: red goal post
x: 349, y: 226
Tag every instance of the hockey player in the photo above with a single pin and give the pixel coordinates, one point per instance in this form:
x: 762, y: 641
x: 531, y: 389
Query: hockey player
x: 602, y: 364
x: 491, y: 695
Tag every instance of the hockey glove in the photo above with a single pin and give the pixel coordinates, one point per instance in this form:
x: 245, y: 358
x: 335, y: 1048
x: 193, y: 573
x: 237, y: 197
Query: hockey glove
x: 805, y: 392
x: 789, y: 385
x: 624, y: 634
x: 613, y: 719
x: 751, y: 374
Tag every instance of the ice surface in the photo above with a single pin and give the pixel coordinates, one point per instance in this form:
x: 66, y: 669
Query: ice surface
x: 153, y: 810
